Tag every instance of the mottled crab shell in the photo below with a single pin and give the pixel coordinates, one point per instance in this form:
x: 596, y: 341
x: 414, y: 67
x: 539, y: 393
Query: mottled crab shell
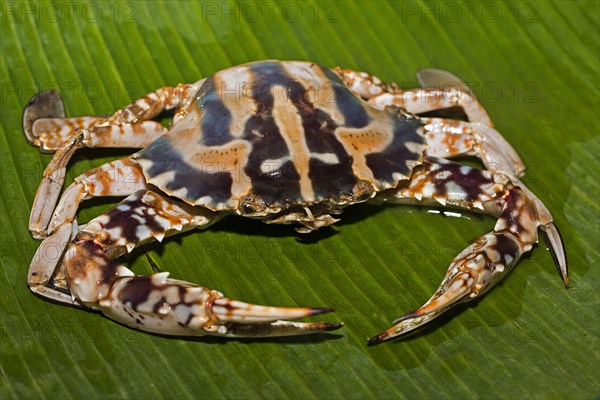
x: 284, y: 134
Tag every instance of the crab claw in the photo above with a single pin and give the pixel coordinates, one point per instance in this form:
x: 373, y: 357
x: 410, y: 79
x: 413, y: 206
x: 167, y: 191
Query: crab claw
x: 46, y: 104
x: 558, y: 251
x: 453, y: 291
x: 476, y: 270
x: 156, y: 303
x: 488, y: 260
x: 174, y: 307
x: 224, y: 309
x: 238, y: 319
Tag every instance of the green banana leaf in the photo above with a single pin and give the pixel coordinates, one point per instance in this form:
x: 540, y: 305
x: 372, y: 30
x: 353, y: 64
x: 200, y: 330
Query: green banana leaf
x: 534, y: 65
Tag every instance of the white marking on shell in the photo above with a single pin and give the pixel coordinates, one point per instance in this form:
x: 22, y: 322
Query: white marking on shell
x: 328, y: 158
x: 194, y: 293
x: 455, y: 192
x: 182, y: 313
x: 273, y: 164
x: 164, y: 178
x: 164, y: 223
x: 442, y: 174
x: 464, y: 169
x: 172, y: 295
x: 142, y: 232
x: 141, y: 220
x: 428, y: 189
x: 123, y: 207
x: 137, y: 211
x: 154, y: 297
x: 116, y: 234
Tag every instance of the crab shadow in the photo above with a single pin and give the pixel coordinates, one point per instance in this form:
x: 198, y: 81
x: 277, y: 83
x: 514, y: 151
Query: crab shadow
x: 313, y: 338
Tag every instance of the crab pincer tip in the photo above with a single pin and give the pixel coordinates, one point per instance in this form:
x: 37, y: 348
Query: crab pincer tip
x: 317, y: 311
x: 330, y: 327
x: 380, y: 338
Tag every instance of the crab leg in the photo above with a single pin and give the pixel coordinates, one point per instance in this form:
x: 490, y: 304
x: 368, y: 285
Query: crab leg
x: 128, y: 127
x: 117, y: 178
x: 486, y: 262
x: 45, y: 125
x: 450, y: 138
x: 136, y: 135
x: 444, y: 136
x: 156, y: 303
x: 439, y: 94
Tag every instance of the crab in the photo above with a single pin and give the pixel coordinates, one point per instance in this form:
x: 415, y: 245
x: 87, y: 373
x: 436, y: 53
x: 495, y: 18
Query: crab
x: 285, y: 142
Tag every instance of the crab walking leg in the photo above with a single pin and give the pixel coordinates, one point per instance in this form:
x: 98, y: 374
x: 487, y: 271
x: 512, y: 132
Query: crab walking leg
x: 365, y: 84
x: 128, y: 135
x: 419, y: 101
x: 45, y: 125
x: 450, y: 138
x: 49, y: 134
x: 117, y: 178
x: 156, y: 303
x: 152, y: 104
x: 135, y: 135
x: 443, y: 135
x: 486, y: 262
x: 416, y: 101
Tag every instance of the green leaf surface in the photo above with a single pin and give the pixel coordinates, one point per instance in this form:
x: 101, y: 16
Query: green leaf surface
x: 535, y: 67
